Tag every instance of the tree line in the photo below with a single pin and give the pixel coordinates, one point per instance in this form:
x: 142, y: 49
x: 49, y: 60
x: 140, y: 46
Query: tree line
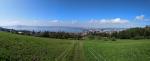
x: 131, y: 33
x: 48, y: 34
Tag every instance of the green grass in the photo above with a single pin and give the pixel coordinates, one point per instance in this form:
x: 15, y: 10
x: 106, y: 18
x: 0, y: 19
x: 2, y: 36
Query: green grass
x: 28, y: 48
x: 120, y: 50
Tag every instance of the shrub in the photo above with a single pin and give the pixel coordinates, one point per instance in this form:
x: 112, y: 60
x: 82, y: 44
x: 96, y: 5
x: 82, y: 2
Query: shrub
x: 138, y: 37
x: 148, y: 37
x: 105, y: 39
x: 91, y: 37
x: 98, y: 37
x: 113, y: 39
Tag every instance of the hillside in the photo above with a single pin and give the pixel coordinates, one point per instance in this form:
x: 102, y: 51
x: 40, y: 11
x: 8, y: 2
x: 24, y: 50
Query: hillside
x: 28, y: 48
x: 120, y: 50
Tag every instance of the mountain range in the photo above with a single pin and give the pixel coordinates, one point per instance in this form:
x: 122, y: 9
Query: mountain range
x: 59, y: 28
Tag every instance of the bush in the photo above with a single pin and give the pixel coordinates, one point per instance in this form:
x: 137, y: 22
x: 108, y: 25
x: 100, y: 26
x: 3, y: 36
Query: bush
x: 105, y: 39
x: 91, y: 37
x: 138, y: 37
x: 98, y: 37
x: 113, y: 39
x: 148, y: 37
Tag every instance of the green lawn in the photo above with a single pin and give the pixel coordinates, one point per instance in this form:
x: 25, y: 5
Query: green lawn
x: 28, y: 48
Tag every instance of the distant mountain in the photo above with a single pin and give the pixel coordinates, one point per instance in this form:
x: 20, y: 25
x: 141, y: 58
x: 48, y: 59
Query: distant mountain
x: 111, y: 29
x: 60, y: 28
x: 47, y: 28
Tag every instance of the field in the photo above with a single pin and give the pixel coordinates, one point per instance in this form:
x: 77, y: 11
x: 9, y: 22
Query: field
x: 121, y: 50
x: 27, y: 48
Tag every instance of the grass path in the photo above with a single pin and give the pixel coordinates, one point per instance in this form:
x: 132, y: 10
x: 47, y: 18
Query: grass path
x: 96, y: 55
x: 73, y: 53
x: 79, y: 52
x: 64, y: 55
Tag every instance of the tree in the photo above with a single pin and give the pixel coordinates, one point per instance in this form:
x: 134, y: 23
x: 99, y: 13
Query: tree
x: 45, y: 34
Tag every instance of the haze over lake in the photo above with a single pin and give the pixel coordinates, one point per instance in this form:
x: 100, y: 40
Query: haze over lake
x: 47, y: 28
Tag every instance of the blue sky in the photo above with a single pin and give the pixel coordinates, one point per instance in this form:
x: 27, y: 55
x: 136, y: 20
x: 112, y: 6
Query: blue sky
x: 80, y: 13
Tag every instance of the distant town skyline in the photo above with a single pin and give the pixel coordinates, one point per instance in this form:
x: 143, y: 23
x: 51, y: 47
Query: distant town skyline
x: 76, y: 13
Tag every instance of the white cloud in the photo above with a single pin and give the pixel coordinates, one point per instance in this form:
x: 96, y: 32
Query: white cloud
x: 109, y: 21
x: 74, y: 22
x: 54, y: 21
x: 29, y: 22
x: 104, y: 23
x: 40, y: 23
x: 8, y: 22
x: 140, y: 17
x: 119, y: 21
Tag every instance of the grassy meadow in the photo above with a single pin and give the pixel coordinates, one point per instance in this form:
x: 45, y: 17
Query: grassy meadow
x: 120, y: 50
x: 28, y: 48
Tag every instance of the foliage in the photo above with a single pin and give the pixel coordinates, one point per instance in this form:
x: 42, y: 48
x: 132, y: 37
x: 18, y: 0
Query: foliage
x: 90, y: 37
x: 133, y: 33
x: 113, y: 39
x: 138, y: 37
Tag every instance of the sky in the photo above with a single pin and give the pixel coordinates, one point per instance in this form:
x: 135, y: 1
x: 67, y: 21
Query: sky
x: 76, y: 13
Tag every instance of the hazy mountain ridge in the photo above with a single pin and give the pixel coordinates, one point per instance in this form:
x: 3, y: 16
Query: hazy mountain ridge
x: 59, y: 28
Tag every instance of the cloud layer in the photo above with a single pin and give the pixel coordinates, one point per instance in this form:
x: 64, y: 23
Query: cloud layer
x: 110, y: 21
x: 29, y: 22
x: 99, y: 23
x: 141, y: 17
